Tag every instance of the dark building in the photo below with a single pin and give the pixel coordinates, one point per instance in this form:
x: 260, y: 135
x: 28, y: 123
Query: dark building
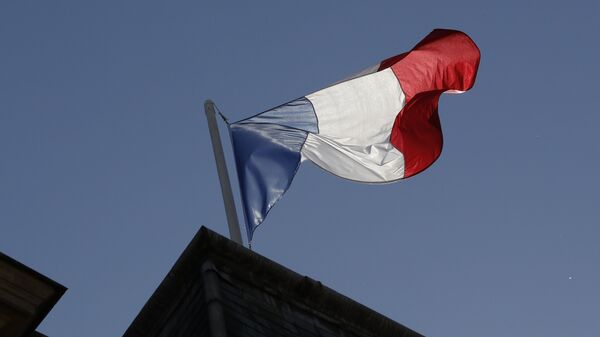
x: 26, y: 297
x: 218, y: 288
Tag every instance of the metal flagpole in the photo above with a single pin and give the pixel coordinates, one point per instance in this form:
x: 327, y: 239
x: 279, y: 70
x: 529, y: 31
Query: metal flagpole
x: 232, y: 219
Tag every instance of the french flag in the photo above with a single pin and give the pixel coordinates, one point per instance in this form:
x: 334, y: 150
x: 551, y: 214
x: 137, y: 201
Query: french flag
x: 377, y: 126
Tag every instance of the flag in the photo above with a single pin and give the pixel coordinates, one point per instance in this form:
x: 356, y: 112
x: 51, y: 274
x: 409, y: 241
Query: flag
x: 378, y: 126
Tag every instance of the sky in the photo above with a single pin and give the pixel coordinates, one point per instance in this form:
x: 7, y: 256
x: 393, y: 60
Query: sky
x: 106, y: 167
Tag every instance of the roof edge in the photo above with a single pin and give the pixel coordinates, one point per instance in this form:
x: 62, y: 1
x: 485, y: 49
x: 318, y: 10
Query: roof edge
x: 260, y: 271
x: 44, y: 309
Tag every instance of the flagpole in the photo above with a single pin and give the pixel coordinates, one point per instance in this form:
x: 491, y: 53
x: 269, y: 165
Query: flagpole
x: 232, y: 219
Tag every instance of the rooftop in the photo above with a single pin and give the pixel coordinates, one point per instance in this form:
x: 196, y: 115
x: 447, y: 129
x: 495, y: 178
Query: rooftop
x: 220, y: 288
x: 26, y: 297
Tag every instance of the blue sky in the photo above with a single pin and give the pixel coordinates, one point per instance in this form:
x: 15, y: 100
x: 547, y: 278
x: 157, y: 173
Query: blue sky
x: 106, y: 170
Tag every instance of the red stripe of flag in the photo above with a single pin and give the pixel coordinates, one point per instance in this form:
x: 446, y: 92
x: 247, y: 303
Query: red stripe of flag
x: 444, y: 60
